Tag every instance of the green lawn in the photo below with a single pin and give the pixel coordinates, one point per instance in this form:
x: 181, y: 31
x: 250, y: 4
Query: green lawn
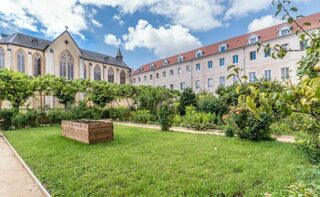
x: 153, y: 163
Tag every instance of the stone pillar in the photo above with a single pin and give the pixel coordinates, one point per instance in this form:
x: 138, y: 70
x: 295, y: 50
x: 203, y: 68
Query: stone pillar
x: 81, y: 69
x: 91, y: 72
x: 29, y: 64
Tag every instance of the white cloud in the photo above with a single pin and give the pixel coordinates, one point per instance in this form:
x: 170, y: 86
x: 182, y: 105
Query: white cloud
x: 118, y: 19
x: 96, y: 23
x: 112, y: 40
x: 199, y: 15
x: 49, y: 17
x: 162, y: 41
x: 263, y: 22
x: 240, y: 8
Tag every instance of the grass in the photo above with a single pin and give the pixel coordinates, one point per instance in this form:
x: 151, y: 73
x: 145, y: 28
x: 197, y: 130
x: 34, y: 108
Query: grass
x: 147, y: 162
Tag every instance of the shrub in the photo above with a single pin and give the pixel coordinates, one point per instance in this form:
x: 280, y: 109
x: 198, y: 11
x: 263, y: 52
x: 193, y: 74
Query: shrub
x: 142, y: 116
x: 198, y: 120
x: 188, y: 98
x: 250, y: 127
x: 230, y: 131
x: 5, y: 119
x: 212, y: 104
x: 19, y: 121
x: 55, y: 116
x: 120, y: 113
x: 177, y: 120
x: 32, y: 118
x: 165, y: 115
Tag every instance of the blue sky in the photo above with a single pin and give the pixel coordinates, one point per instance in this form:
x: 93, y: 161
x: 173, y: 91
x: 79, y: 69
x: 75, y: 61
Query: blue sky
x: 145, y: 30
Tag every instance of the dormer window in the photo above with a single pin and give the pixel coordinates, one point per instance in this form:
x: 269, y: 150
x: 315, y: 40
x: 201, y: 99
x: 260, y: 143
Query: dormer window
x: 141, y: 70
x: 199, y: 53
x: 253, y: 39
x: 285, y: 30
x: 180, y: 58
x: 165, y: 62
x: 152, y: 67
x: 223, y: 48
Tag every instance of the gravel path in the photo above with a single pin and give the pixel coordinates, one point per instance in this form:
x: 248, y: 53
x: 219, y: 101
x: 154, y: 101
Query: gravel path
x: 15, y: 180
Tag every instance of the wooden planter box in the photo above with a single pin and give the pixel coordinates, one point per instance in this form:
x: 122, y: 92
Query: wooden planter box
x: 88, y: 131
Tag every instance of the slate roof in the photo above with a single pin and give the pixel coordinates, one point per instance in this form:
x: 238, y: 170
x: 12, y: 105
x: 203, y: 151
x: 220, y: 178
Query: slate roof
x: 233, y: 43
x: 41, y: 44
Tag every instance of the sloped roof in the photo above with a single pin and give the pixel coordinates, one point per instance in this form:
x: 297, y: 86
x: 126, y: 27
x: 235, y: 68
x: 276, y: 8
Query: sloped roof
x: 41, y: 44
x: 234, y: 43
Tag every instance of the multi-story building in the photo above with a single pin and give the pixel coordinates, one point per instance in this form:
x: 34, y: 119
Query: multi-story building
x: 61, y: 57
x: 205, y: 68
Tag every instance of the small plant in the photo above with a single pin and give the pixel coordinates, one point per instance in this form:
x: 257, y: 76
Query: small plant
x: 5, y: 119
x: 230, y: 131
x: 165, y: 114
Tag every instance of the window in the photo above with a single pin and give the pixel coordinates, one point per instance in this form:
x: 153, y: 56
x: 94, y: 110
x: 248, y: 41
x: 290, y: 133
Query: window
x: 139, y: 79
x: 197, y: 84
x: 171, y: 72
x: 285, y: 47
x: 210, y: 83
x: 286, y: 30
x: 122, y: 77
x: 303, y: 45
x: 252, y: 77
x: 180, y: 58
x: 150, y: 76
x: 145, y: 78
x: 183, y: 86
x: 66, y: 65
x: 157, y: 75
x: 165, y: 62
x: 111, y: 76
x: 222, y: 81
x: 134, y: 80
x: 209, y: 64
x: 21, y: 61
x: 188, y: 69
x: 223, y: 48
x: 221, y: 61
x: 235, y: 59
x: 37, y: 65
x: 253, y: 39
x: 235, y: 79
x: 197, y: 67
x: 267, y: 53
x: 253, y: 55
x: 1, y: 58
x: 171, y: 86
x: 84, y: 71
x: 151, y: 66
x: 164, y: 74
x: 179, y: 71
x: 285, y: 73
x: 97, y: 73
x: 267, y: 75
x: 199, y: 54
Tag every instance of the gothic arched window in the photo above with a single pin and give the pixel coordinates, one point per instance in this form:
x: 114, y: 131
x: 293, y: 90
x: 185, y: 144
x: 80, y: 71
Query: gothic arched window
x: 97, y: 73
x: 110, y: 75
x: 122, y: 77
x: 66, y: 65
x: 21, y: 61
x: 37, y: 65
x: 84, y: 71
x: 1, y: 58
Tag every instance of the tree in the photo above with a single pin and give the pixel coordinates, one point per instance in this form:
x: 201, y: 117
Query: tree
x: 65, y: 91
x: 44, y: 85
x: 16, y: 87
x: 165, y: 116
x: 101, y: 93
x: 187, y: 98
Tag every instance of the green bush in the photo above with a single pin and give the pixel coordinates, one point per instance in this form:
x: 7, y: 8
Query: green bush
x: 55, y: 116
x: 230, y: 131
x: 119, y: 113
x: 187, y: 98
x: 198, y: 120
x: 165, y: 116
x: 211, y: 104
x: 19, y: 121
x: 142, y: 116
x: 249, y: 127
x: 5, y: 119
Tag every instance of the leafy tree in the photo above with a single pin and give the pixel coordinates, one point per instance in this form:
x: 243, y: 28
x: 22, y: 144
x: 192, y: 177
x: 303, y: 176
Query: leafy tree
x: 187, y: 98
x: 101, y: 93
x: 127, y: 92
x: 43, y: 85
x: 65, y: 91
x: 16, y: 87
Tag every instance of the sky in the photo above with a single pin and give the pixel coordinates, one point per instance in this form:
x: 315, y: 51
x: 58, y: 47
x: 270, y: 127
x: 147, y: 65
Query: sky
x: 144, y: 30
